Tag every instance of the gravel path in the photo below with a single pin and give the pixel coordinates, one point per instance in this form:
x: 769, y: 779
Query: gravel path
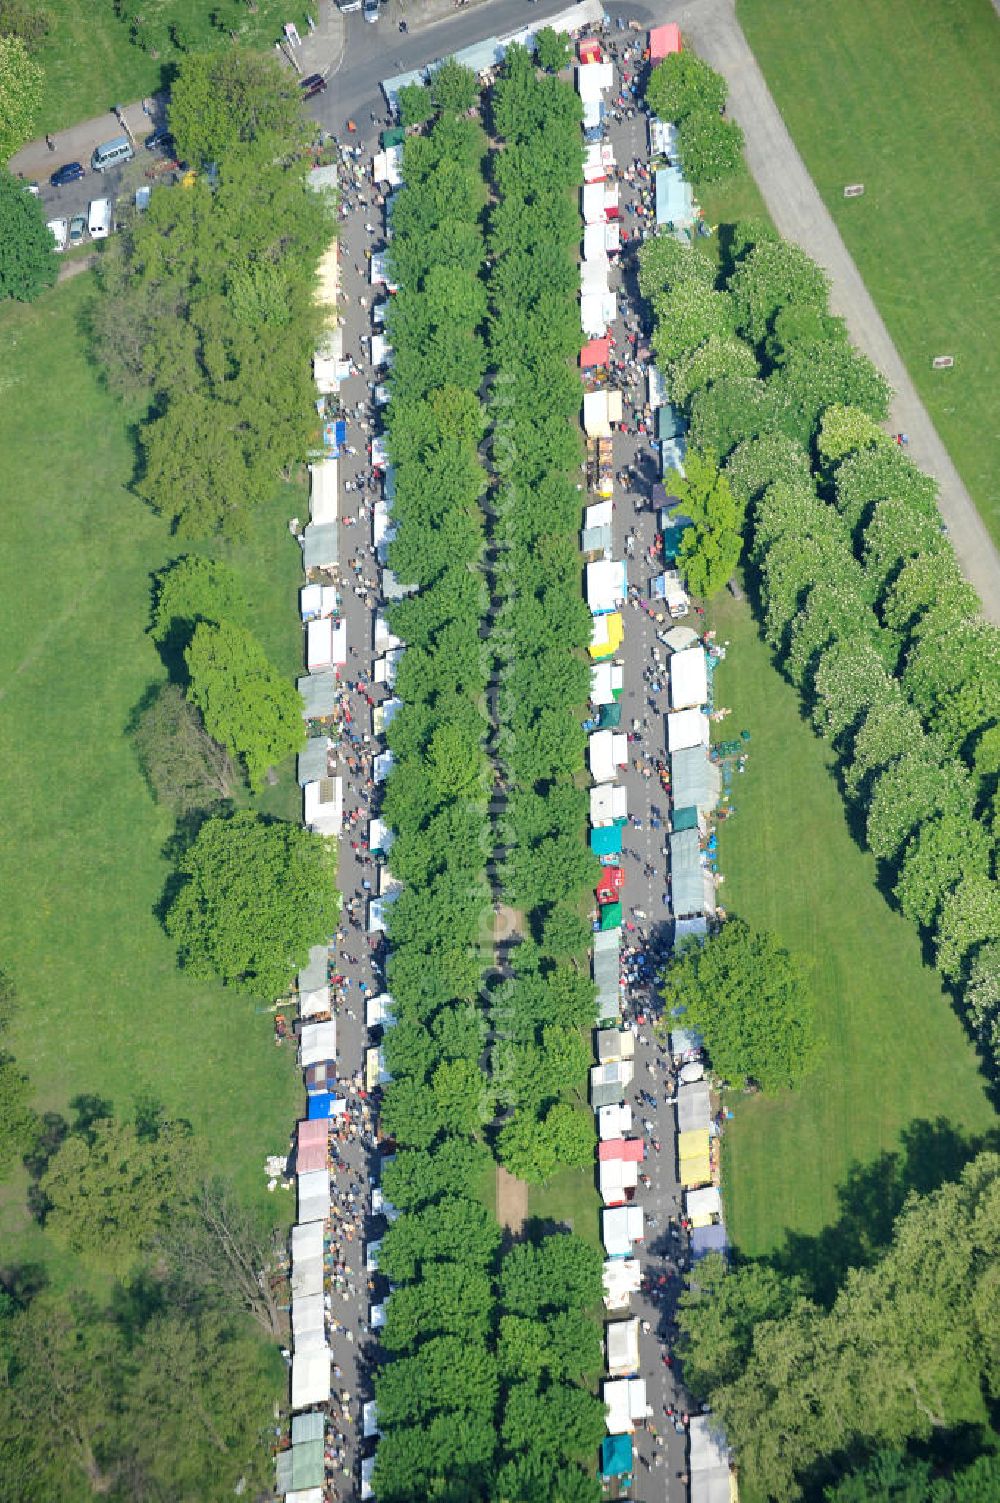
x: 800, y: 215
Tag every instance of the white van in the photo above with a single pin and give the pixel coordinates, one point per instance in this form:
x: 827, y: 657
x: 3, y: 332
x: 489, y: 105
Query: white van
x: 111, y: 153
x: 99, y: 218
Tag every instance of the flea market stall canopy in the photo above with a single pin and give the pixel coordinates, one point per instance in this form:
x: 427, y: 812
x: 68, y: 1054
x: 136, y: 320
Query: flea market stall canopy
x: 709, y: 1239
x: 323, y: 806
x: 622, y: 1342
x: 692, y: 890
x: 620, y: 1229
x: 688, y: 679
x: 711, y: 1478
x: 319, y: 694
x: 321, y: 545
x: 694, y: 1107
x: 616, y: 1456
x: 614, y: 1044
x: 310, y: 1377
x: 607, y: 635
x: 323, y: 507
x: 608, y: 804
x: 622, y: 1278
x: 663, y: 40
x: 607, y: 751
x: 695, y: 781
x: 317, y: 1042
x: 314, y: 760
x: 606, y: 683
x: 614, y: 1121
x: 687, y: 728
x: 314, y: 1195
x: 626, y: 1404
x: 674, y: 198
x: 702, y: 1207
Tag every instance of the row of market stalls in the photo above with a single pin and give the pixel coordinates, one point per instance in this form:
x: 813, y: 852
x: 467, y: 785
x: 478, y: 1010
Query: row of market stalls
x: 620, y: 1152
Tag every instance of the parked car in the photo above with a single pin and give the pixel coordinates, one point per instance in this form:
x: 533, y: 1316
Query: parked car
x: 313, y: 85
x: 78, y: 229
x: 370, y: 8
x: 99, y: 218
x: 160, y: 140
x: 60, y: 232
x: 33, y: 189
x: 348, y: 6
x: 69, y: 172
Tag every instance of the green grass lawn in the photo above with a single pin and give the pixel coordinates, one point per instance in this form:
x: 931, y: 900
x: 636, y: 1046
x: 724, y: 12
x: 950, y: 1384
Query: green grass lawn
x: 906, y: 99
x: 571, y: 1198
x: 896, y: 1054
x: 90, y: 63
x: 103, y: 1007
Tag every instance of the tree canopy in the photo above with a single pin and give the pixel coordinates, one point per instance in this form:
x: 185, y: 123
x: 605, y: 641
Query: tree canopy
x: 684, y: 84
x: 28, y: 262
x: 246, y: 704
x: 748, y: 999
x: 255, y: 894
x: 710, y: 548
x: 225, y: 99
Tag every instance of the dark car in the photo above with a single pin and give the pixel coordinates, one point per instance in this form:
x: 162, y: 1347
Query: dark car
x: 314, y: 84
x: 69, y: 172
x: 160, y: 140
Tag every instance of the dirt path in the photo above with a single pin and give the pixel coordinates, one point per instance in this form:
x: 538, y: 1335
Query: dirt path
x: 800, y: 215
x: 512, y: 1201
x: 73, y: 268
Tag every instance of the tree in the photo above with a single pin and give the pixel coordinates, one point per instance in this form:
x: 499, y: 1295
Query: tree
x: 817, y: 374
x: 197, y: 1409
x: 525, y: 1150
x: 217, y: 1248
x: 108, y: 1194
x: 195, y: 470
x: 760, y: 462
x: 454, y: 89
x: 255, y: 895
x: 774, y: 275
x: 20, y: 97
x: 552, y: 49
x: 687, y: 315
x: 935, y: 859
x: 709, y: 147
x: 969, y: 921
x: 449, y: 1300
x: 913, y: 788
x: 28, y: 263
x: 18, y: 1121
x: 846, y: 429
x: 730, y: 411
x: 247, y: 706
x: 452, y: 1230
x: 183, y: 766
x: 567, y: 1345
x: 665, y: 263
x: 414, y: 1178
x: 560, y: 1272
x: 717, y: 1315
x: 415, y: 104
x: 710, y: 548
x: 461, y: 1096
x: 907, y: 1349
x: 718, y: 358
x: 220, y: 100
x: 556, y: 1421
x: 747, y: 997
x: 683, y: 84
x: 188, y: 591
x: 444, y: 1373
x: 58, y: 1410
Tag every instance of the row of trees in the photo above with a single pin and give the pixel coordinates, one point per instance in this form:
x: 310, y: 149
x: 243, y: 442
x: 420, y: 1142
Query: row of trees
x: 861, y: 597
x: 542, y: 1015
x: 906, y: 1353
x: 438, y: 1394
x: 207, y: 299
x: 688, y: 92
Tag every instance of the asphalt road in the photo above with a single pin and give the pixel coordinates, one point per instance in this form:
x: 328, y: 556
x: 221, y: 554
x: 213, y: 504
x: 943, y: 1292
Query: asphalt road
x: 372, y: 53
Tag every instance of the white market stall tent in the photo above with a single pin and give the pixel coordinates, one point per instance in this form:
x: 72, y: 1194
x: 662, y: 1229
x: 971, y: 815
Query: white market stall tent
x: 319, y: 644
x: 687, y: 728
x: 688, y: 679
x: 626, y: 1403
x: 608, y: 804
x: 323, y: 806
x: 708, y: 1466
x: 621, y: 1228
x: 593, y: 80
x: 317, y: 1043
x: 622, y: 1342
x: 323, y: 500
x: 307, y: 1321
x: 307, y: 1259
x: 606, y: 681
x: 607, y: 752
x: 702, y: 1207
x: 622, y: 1278
x: 614, y: 1121
x: 314, y: 1195
x: 607, y: 585
x: 311, y: 1377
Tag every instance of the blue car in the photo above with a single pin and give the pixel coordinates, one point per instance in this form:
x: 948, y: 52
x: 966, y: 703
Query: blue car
x: 70, y: 172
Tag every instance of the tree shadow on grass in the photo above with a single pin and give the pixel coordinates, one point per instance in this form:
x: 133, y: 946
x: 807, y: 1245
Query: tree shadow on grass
x: 871, y: 1198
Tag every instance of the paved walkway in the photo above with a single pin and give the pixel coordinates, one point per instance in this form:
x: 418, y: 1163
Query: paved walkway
x: 800, y: 215
x: 36, y: 161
